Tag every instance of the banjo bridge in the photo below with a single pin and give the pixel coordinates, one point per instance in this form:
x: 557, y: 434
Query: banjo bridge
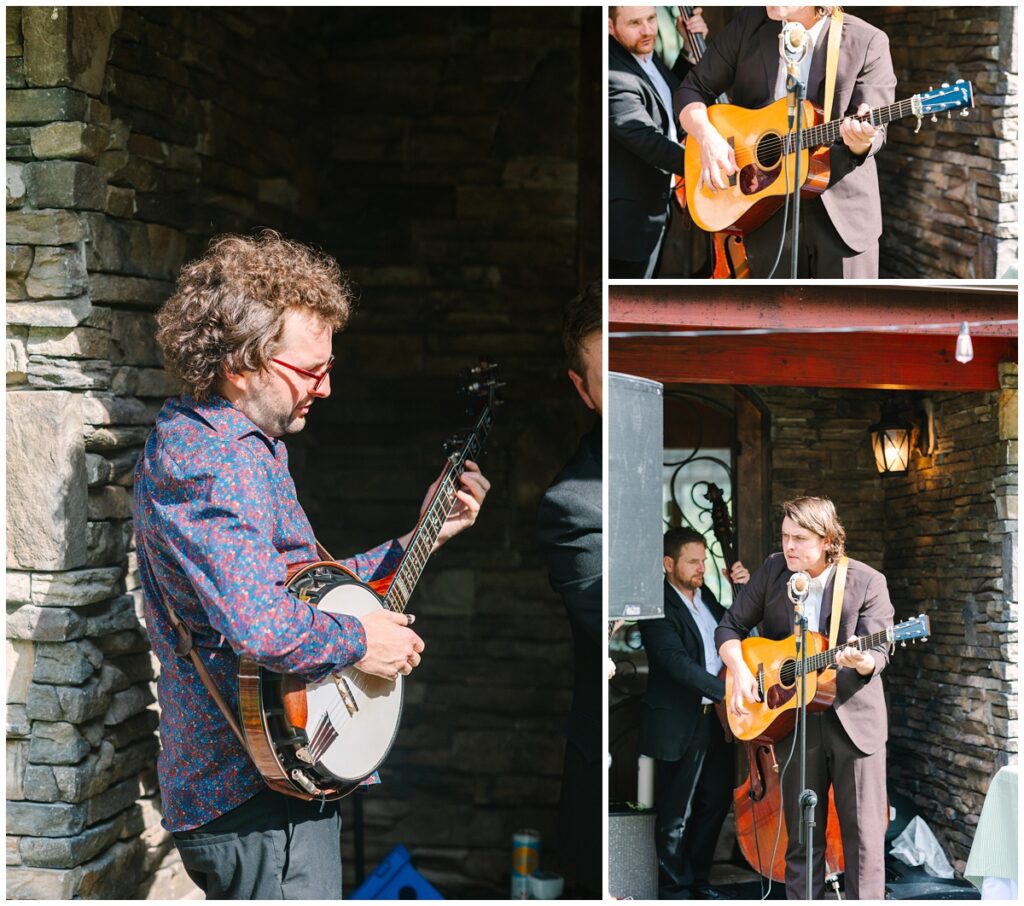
x: 345, y: 691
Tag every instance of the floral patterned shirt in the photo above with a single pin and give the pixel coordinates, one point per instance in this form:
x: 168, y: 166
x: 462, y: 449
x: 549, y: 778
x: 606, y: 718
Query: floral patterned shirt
x: 217, y: 524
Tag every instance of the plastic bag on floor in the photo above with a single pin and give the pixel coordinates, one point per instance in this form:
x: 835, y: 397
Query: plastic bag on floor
x: 917, y: 846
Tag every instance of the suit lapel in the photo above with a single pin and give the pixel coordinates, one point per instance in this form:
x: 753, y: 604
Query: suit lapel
x: 685, y: 616
x: 638, y: 70
x: 770, y: 56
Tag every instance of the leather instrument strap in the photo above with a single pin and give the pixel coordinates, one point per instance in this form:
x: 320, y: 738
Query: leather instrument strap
x: 835, y: 33
x: 837, y: 600
x: 185, y: 648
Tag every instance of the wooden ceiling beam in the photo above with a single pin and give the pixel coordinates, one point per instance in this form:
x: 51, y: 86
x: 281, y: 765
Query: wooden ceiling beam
x: 865, y: 360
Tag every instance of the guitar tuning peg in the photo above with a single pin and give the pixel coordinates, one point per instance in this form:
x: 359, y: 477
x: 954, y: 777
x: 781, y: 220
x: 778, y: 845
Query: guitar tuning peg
x: 964, y: 112
x: 903, y: 644
x: 949, y: 115
x: 935, y: 119
x: 945, y: 84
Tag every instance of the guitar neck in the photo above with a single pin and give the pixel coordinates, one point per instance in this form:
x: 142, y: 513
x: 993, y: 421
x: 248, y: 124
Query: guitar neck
x: 434, y: 517
x: 827, y: 658
x: 827, y: 133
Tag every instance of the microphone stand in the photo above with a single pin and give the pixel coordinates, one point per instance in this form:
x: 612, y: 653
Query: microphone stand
x: 796, y: 88
x: 808, y: 801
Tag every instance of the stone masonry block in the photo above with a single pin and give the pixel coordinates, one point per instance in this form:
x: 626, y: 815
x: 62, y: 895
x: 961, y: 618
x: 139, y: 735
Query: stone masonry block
x: 65, y: 313
x: 46, y: 481
x: 44, y: 624
x: 67, y: 852
x: 44, y: 819
x: 26, y: 106
x: 17, y: 357
x: 68, y: 45
x: 77, y: 343
x: 84, y: 374
x: 66, y: 184
x: 21, y: 661
x: 66, y: 664
x: 52, y: 227
x: 56, y: 743
x: 69, y: 141
x: 15, y: 184
x: 139, y: 249
x: 42, y: 884
x: 76, y: 588
x: 57, y: 273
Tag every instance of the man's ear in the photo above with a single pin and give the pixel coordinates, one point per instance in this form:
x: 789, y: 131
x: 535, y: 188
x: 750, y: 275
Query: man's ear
x: 581, y: 389
x: 667, y: 562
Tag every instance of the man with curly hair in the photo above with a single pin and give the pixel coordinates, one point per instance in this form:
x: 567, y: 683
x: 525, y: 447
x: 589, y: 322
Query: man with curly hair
x: 846, y: 743
x: 218, y: 524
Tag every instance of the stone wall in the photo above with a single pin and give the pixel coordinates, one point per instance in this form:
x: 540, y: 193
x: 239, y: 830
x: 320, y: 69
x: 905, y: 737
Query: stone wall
x: 951, y: 545
x: 820, y: 446
x: 133, y: 136
x: 949, y: 193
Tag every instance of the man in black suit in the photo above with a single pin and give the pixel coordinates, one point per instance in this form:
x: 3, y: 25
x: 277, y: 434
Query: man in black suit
x: 569, y: 531
x: 693, y: 772
x: 644, y: 154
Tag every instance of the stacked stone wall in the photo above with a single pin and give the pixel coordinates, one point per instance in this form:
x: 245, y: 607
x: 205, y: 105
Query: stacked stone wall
x: 820, y: 447
x: 951, y: 543
x: 950, y: 191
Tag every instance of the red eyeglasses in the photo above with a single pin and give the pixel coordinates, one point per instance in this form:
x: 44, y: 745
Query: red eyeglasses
x: 318, y: 378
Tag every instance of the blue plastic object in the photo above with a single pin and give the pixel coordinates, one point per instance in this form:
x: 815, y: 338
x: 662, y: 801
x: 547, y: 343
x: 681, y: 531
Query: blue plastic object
x: 396, y: 879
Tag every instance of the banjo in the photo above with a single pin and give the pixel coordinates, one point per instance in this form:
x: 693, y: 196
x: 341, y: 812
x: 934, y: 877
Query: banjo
x: 320, y: 740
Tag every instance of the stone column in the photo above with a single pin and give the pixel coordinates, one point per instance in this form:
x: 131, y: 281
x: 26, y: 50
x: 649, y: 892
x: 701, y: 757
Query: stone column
x: 81, y: 741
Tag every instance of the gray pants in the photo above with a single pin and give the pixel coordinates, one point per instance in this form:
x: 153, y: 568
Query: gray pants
x: 272, y: 847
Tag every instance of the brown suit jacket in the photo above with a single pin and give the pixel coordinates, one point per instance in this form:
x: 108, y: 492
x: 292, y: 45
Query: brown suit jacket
x: 743, y: 60
x: 860, y: 700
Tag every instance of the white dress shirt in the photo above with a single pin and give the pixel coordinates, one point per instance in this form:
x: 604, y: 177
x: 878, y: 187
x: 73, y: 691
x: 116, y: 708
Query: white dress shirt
x: 812, y: 606
x: 661, y: 86
x: 805, y: 64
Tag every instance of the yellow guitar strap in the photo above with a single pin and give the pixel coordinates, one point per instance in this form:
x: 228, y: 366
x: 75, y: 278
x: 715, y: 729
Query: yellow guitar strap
x: 837, y: 600
x: 835, y: 32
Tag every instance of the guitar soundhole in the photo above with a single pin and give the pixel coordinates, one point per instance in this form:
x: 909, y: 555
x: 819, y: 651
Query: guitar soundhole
x: 769, y: 150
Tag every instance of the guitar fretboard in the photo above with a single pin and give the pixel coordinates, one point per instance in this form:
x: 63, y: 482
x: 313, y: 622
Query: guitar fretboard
x: 825, y: 659
x: 434, y: 517
x: 826, y: 133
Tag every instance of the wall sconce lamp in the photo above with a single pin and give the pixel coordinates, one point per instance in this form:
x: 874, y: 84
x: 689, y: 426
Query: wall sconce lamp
x: 893, y: 438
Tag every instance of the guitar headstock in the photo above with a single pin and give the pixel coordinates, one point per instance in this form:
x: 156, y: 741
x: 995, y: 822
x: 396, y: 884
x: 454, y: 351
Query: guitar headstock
x: 919, y: 627
x: 958, y: 96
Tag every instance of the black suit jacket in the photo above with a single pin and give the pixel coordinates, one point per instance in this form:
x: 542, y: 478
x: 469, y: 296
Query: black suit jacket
x: 640, y: 155
x: 569, y: 531
x: 860, y: 700
x: 743, y: 60
x: 677, y: 679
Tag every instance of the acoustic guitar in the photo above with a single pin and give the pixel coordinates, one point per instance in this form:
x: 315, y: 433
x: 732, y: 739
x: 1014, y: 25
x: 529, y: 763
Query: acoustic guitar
x: 765, y: 151
x: 321, y: 739
x: 775, y: 666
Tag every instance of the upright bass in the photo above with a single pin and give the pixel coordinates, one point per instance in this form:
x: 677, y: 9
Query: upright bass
x: 757, y: 799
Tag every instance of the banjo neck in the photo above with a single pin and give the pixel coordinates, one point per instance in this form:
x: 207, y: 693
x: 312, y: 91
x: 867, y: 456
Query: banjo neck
x: 436, y: 514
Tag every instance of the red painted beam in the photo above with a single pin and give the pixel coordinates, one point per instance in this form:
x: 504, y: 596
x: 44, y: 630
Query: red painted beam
x: 866, y: 360
x: 737, y: 305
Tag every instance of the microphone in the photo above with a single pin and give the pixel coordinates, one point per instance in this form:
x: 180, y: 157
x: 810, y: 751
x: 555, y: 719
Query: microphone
x: 794, y: 42
x: 798, y: 587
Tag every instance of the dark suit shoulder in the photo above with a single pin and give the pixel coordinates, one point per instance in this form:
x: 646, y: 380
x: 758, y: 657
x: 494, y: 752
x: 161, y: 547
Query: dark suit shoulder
x: 856, y: 26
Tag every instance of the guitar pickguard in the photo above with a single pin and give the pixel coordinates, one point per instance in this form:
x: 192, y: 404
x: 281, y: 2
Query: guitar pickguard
x: 777, y: 695
x: 753, y: 179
